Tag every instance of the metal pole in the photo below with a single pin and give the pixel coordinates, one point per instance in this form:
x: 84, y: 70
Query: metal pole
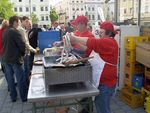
x: 116, y: 11
x: 30, y: 7
x: 139, y: 12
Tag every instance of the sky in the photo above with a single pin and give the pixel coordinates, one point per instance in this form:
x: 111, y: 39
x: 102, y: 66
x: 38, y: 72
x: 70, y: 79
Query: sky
x: 53, y: 2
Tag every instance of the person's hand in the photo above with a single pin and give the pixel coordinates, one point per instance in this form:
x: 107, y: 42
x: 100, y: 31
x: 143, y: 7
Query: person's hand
x: 57, y: 43
x: 72, y: 38
x: 37, y: 50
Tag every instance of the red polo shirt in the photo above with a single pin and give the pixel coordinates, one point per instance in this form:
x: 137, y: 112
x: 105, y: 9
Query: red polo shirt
x: 84, y: 34
x: 1, y: 46
x: 107, y: 48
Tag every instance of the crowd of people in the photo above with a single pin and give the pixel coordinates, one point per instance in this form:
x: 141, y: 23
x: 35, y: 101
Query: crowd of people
x: 18, y: 45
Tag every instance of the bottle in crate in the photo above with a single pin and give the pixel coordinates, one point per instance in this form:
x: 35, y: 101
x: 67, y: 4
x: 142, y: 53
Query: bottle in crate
x: 142, y: 39
x: 138, y: 81
x: 147, y: 71
x: 134, y: 67
x: 147, y: 83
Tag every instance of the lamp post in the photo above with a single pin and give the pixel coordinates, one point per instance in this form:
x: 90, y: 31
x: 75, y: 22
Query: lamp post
x: 30, y: 7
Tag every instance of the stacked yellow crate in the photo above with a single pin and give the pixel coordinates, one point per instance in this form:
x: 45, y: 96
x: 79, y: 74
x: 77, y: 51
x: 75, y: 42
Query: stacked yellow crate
x: 128, y: 94
x: 131, y: 66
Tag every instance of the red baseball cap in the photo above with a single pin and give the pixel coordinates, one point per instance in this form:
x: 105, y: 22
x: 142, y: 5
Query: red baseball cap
x: 80, y: 20
x: 108, y: 26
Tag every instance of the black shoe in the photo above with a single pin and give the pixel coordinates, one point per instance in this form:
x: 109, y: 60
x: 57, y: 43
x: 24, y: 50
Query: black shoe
x: 14, y: 100
x: 25, y: 100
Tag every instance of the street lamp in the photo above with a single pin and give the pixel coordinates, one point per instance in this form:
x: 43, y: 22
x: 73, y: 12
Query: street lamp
x: 30, y: 7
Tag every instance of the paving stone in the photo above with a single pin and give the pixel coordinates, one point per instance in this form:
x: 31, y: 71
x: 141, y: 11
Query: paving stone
x: 119, y: 111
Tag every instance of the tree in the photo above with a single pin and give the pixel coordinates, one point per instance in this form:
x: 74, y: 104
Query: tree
x: 53, y: 15
x: 6, y: 9
x: 34, y: 18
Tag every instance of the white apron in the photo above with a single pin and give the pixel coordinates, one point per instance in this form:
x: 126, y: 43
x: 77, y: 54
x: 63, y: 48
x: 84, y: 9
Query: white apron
x: 97, y: 64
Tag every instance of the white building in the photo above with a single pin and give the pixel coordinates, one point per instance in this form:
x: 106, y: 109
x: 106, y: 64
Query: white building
x: 72, y: 8
x: 40, y: 7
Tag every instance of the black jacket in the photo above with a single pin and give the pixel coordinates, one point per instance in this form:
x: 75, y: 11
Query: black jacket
x: 33, y: 36
x: 13, y: 45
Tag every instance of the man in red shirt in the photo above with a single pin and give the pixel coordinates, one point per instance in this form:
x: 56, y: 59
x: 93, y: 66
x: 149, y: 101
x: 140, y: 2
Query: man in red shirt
x: 82, y: 30
x: 104, y: 63
x: 5, y: 25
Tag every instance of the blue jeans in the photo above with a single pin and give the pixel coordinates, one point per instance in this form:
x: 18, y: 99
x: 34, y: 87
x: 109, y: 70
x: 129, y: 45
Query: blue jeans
x: 12, y: 69
x: 26, y: 68
x: 102, y: 101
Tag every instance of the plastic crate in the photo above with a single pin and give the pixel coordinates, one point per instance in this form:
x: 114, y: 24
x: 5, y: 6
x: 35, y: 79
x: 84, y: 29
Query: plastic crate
x: 130, y: 42
x: 130, y: 55
x: 147, y: 108
x: 138, y: 81
x: 132, y: 98
x: 127, y: 82
x: 143, y: 39
x: 134, y: 67
x: 147, y: 71
x: 128, y: 78
x: 147, y: 83
x: 47, y: 38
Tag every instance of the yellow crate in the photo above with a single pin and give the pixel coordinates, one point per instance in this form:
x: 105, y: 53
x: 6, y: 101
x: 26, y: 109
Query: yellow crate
x: 147, y: 104
x: 132, y: 98
x: 130, y: 42
x: 127, y: 82
x: 147, y: 71
x: 130, y: 55
x: 143, y: 39
x: 134, y: 67
x: 128, y: 78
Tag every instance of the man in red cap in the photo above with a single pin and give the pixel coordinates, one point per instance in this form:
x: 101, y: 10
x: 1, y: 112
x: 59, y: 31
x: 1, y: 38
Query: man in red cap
x: 80, y: 23
x: 104, y: 63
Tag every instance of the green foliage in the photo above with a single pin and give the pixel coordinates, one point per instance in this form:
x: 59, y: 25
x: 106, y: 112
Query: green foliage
x: 53, y: 15
x: 6, y: 9
x: 34, y: 18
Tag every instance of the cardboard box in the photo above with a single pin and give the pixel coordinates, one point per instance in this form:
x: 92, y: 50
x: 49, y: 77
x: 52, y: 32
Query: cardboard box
x: 143, y: 53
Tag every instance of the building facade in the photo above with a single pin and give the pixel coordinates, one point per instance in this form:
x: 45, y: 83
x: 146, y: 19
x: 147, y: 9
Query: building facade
x: 39, y: 7
x: 129, y: 10
x: 69, y: 9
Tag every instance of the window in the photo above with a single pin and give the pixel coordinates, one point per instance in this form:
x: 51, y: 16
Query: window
x: 47, y: 18
x: 77, y: 1
x: 41, y: 0
x: 20, y: 0
x: 130, y: 10
x: 81, y: 9
x: 46, y: 8
x: 42, y: 9
x: 77, y: 9
x: 27, y: 9
x: 125, y: 11
x: 93, y: 9
x: 146, y: 9
x: 34, y: 8
x: 20, y: 9
x: 89, y: 17
x: 73, y: 17
x: 42, y: 18
x: 89, y: 8
x: 81, y: 1
x: 73, y: 9
x: 72, y: 1
x: 98, y: 17
x: 15, y: 9
x: 93, y: 17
